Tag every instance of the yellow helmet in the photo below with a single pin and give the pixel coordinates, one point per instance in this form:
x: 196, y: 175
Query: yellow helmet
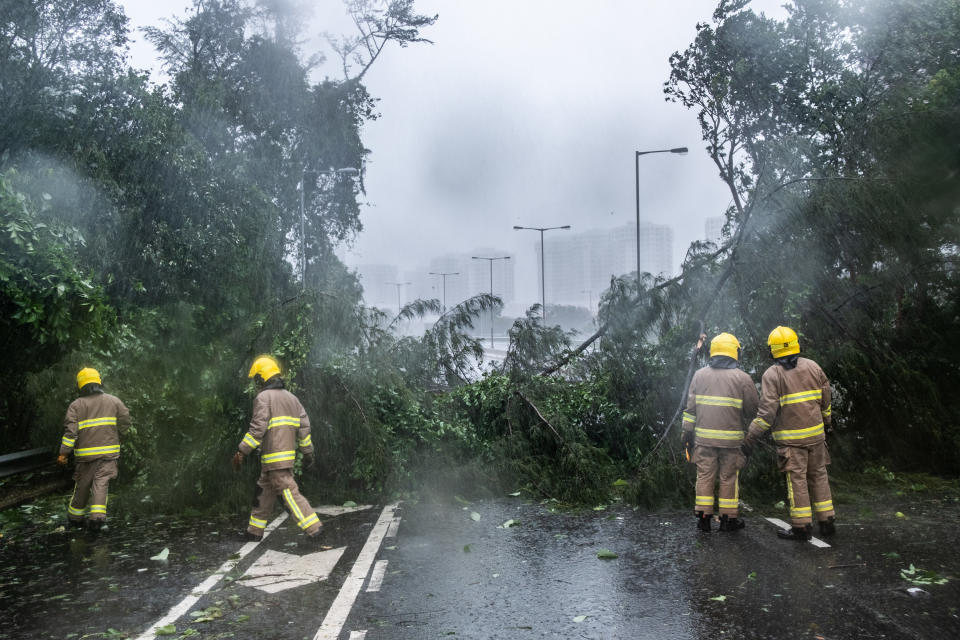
x: 266, y: 366
x: 87, y: 375
x: 783, y: 341
x: 725, y: 344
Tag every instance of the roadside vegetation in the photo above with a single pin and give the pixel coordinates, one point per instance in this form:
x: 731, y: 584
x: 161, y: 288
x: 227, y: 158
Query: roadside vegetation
x: 155, y: 233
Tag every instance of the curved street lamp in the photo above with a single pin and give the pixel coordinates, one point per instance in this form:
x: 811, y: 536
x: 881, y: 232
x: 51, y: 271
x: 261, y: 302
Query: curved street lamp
x: 636, y: 161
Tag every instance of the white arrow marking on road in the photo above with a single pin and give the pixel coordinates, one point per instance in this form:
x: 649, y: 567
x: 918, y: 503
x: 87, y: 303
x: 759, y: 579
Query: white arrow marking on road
x: 340, y: 609
x: 817, y: 542
x: 187, y: 603
x: 276, y: 571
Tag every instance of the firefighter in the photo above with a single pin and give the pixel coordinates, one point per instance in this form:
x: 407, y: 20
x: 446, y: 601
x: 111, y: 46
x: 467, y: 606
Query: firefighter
x: 720, y: 404
x: 795, y: 407
x: 91, y: 432
x: 279, y: 426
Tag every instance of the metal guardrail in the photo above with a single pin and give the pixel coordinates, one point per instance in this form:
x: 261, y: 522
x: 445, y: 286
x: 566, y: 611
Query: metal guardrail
x: 22, y: 461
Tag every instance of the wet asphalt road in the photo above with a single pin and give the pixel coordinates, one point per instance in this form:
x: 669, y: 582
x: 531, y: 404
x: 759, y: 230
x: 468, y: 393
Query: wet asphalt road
x: 449, y: 573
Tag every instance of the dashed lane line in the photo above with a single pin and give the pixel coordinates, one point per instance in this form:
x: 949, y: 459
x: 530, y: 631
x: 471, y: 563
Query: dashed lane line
x: 358, y: 635
x: 817, y: 542
x: 340, y: 609
x: 187, y: 603
x: 376, y: 577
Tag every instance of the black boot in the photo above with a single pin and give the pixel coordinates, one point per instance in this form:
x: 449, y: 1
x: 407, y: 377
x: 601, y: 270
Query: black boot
x: 731, y: 524
x: 75, y: 524
x: 94, y: 526
x: 800, y: 534
x: 827, y: 527
x: 246, y: 536
x: 703, y: 521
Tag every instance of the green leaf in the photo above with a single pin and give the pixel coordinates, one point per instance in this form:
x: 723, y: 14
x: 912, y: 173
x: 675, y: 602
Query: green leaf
x: 349, y: 503
x: 475, y: 516
x: 620, y: 482
x: 461, y: 500
x: 167, y: 630
x: 509, y: 523
x: 514, y: 494
x: 579, y: 619
x: 606, y: 554
x: 466, y: 548
x: 719, y: 598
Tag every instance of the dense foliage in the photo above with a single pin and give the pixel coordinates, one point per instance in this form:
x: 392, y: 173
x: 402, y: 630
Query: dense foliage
x: 168, y: 234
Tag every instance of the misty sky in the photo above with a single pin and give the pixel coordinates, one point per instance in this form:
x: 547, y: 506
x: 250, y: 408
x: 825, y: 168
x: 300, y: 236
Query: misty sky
x: 521, y: 113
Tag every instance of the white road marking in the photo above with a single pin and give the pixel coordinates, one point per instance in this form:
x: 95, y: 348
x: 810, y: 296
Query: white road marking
x: 333, y: 510
x: 187, y: 603
x: 276, y: 571
x: 358, y: 635
x: 376, y: 576
x: 817, y: 542
x: 340, y: 609
x: 392, y: 530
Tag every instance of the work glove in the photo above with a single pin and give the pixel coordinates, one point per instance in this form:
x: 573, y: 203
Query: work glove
x: 686, y: 440
x: 308, y: 461
x: 62, y: 460
x: 237, y: 460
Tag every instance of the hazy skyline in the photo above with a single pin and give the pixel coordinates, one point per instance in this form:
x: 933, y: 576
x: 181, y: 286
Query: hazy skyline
x: 520, y: 113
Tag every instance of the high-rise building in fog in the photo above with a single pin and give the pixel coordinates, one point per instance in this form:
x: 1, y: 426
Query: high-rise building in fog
x: 579, y: 266
x: 713, y: 229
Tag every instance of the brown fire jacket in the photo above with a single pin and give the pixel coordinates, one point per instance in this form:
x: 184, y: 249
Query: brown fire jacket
x: 794, y: 404
x: 280, y: 425
x: 92, y: 427
x: 720, y: 404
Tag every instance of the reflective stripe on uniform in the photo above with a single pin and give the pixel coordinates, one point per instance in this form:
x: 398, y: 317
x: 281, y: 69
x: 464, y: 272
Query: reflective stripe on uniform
x: 798, y: 434
x: 278, y: 456
x: 97, y: 422
x: 704, y: 501
x: 689, y: 417
x: 827, y: 412
x: 76, y: 512
x: 801, y: 396
x: 68, y: 442
x: 250, y: 441
x: 96, y: 451
x: 306, y: 442
x: 283, y: 421
x: 98, y: 508
x: 800, y: 512
x: 304, y: 522
x: 720, y: 401
x: 257, y: 523
x: 729, y: 503
x: 762, y: 423
x: 820, y: 507
x: 719, y: 434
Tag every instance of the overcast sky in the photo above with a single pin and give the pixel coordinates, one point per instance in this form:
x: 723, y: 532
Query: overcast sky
x: 522, y: 112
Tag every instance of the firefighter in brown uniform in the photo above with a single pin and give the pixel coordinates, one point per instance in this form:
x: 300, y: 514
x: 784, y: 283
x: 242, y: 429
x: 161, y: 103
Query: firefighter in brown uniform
x: 721, y: 402
x: 91, y: 432
x: 279, y: 426
x: 795, y: 407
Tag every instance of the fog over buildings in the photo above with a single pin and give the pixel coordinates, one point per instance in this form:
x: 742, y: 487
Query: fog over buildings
x: 519, y: 113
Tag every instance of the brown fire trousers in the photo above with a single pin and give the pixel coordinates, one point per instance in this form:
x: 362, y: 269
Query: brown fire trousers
x: 92, y: 479
x: 713, y: 462
x: 808, y: 485
x: 272, y: 484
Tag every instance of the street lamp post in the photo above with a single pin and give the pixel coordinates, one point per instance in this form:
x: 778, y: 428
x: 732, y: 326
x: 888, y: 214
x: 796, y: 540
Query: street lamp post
x: 636, y: 162
x: 444, y: 275
x: 303, y: 231
x: 398, y: 285
x: 543, y: 275
x: 490, y: 260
